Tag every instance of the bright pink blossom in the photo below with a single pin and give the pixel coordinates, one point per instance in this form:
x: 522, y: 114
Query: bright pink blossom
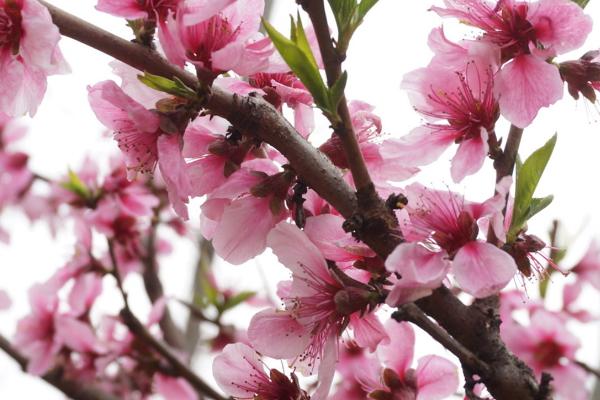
x: 318, y: 309
x: 435, y: 378
x: 217, y: 37
x: 28, y: 54
x: 418, y: 270
x: 447, y: 221
x: 142, y: 141
x: 547, y: 346
x: 136, y: 9
x: 528, y: 34
x: 455, y: 93
x: 240, y: 372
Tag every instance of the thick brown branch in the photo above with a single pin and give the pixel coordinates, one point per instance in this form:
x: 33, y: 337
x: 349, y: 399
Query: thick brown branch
x: 74, y: 389
x: 510, y: 379
x: 505, y: 164
x: 412, y: 313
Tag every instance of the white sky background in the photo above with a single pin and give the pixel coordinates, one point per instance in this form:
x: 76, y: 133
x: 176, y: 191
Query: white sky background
x: 391, y: 42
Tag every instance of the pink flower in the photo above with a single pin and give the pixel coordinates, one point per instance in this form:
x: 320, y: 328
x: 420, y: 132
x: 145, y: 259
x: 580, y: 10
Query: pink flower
x: 447, y: 221
x: 5, y: 301
x: 240, y: 373
x: 217, y: 37
x: 547, y: 346
x: 239, y: 214
x: 28, y: 54
x: 435, y: 378
x: 318, y: 309
x: 455, y: 94
x: 143, y: 143
x: 588, y: 268
x: 419, y: 272
x: 136, y: 9
x: 527, y: 34
x: 173, y: 388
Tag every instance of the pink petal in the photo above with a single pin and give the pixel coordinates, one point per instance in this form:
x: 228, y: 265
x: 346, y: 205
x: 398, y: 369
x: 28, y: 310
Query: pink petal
x: 421, y: 271
x: 398, y: 353
x: 243, y: 229
x: 326, y: 368
x: 174, y: 172
x: 22, y: 88
x: 76, y: 334
x: 470, y: 156
x: 86, y: 289
x: 368, y: 330
x: 173, y: 388
x: 525, y: 85
x: 437, y: 378
x: 482, y: 269
x: 129, y: 9
x: 277, y: 334
x: 294, y: 250
x: 201, y: 10
x: 5, y: 301
x: 236, y: 364
x: 422, y: 146
x: 559, y: 24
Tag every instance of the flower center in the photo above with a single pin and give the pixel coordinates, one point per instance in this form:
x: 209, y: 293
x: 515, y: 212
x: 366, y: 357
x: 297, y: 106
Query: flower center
x: 10, y: 23
x: 548, y: 353
x: 214, y: 33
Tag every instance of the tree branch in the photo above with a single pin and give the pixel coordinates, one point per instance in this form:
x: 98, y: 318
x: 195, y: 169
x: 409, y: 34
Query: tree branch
x: 333, y: 69
x: 505, y: 164
x: 411, y: 313
x: 74, y: 389
x: 510, y: 378
x: 140, y: 332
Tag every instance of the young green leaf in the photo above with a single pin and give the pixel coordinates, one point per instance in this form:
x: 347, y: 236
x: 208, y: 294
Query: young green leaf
x: 76, y: 185
x: 299, y: 58
x: 528, y: 176
x: 343, y: 11
x: 582, y: 3
x: 175, y: 87
x: 337, y: 90
x: 236, y: 300
x: 364, y: 7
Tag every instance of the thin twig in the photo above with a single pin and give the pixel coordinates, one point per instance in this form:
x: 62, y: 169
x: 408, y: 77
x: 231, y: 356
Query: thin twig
x: 412, y: 313
x: 589, y: 369
x: 73, y: 389
x: 140, y: 331
x: 333, y: 69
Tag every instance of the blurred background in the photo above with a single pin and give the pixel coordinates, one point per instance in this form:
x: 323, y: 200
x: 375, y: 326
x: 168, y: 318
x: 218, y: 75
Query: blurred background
x: 391, y: 42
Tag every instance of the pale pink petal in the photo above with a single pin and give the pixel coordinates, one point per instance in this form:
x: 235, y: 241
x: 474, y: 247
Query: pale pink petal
x: 294, y: 250
x: 437, y: 378
x: 326, y: 368
x: 525, y: 85
x: 86, y: 289
x: 277, y: 334
x: 172, y: 388
x: 470, y: 156
x: 420, y: 270
x: 76, y: 334
x: 243, y: 229
x: 304, y: 119
x: 238, y: 364
x: 201, y: 10
x: 368, y: 330
x: 481, y: 269
x: 5, y: 301
x: 559, y: 24
x: 398, y: 353
x: 22, y: 87
x: 174, y: 172
x: 422, y: 146
x: 41, y: 357
x: 157, y: 311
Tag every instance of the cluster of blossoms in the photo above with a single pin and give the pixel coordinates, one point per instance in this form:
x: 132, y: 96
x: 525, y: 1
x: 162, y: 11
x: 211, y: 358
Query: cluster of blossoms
x: 252, y: 198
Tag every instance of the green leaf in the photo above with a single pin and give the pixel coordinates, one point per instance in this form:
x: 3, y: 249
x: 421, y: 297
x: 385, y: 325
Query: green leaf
x: 537, y: 205
x: 343, y: 11
x: 76, y: 185
x: 337, y: 90
x: 298, y: 36
x: 365, y: 6
x: 582, y: 3
x: 528, y: 177
x: 301, y: 61
x: 175, y: 87
x: 236, y: 300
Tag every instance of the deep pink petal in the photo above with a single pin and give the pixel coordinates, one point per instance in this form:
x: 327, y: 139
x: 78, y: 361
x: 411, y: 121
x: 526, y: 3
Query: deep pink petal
x: 470, y: 156
x: 174, y: 172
